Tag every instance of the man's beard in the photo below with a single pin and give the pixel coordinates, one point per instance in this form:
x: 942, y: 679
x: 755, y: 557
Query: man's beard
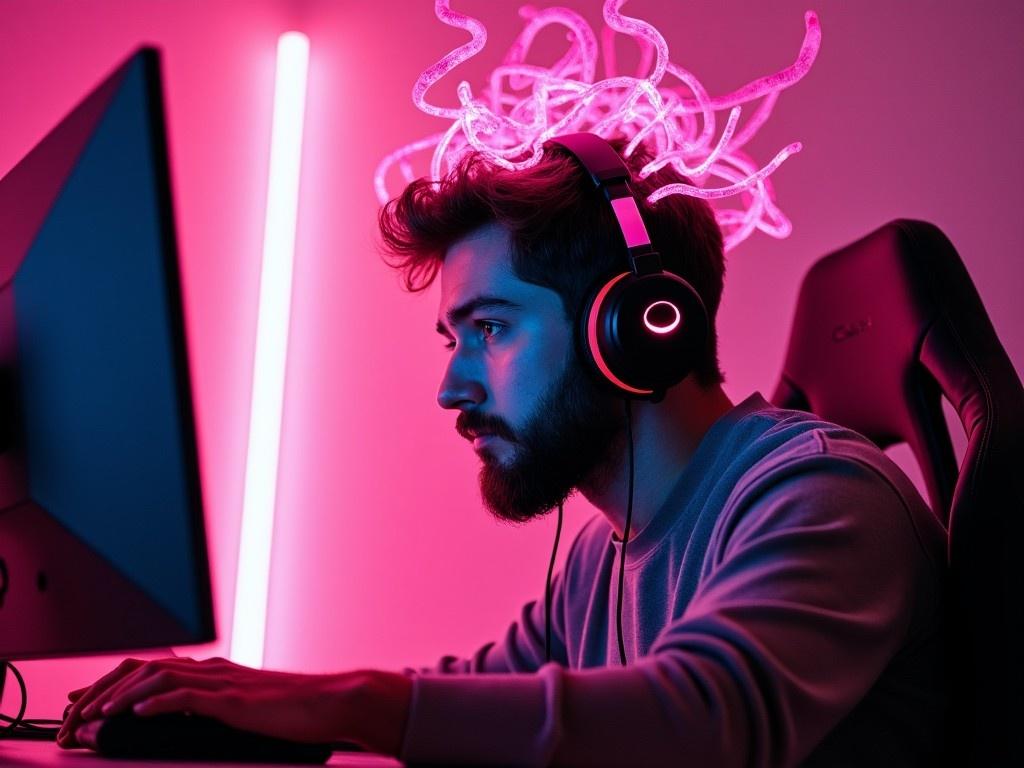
x: 573, y: 437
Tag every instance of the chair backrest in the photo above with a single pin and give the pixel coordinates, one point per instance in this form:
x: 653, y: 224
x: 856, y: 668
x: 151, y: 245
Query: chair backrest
x: 883, y: 328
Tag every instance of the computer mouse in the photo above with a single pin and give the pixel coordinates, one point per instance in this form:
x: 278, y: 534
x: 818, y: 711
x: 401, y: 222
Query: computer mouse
x: 180, y: 736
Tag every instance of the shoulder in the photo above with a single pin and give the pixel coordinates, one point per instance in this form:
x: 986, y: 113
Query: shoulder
x: 769, y: 445
x: 801, y: 471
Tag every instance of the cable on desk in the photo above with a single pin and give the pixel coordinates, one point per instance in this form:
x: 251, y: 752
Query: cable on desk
x: 18, y: 726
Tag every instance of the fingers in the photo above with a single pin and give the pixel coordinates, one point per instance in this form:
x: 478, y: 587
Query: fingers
x: 178, y: 700
x: 140, y: 686
x: 88, y: 705
x: 93, y: 709
x: 198, y: 702
x: 86, y: 734
x: 155, y: 676
x: 74, y: 716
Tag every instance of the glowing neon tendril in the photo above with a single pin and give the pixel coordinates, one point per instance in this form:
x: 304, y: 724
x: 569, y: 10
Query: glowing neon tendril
x: 523, y: 105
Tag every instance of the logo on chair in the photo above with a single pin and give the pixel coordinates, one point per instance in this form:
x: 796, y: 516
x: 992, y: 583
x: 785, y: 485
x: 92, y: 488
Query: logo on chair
x: 846, y: 331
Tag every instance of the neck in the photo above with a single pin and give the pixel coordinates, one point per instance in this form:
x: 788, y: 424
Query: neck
x: 665, y: 437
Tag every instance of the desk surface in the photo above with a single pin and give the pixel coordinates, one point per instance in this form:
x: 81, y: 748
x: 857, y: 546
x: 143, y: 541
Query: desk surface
x: 46, y: 754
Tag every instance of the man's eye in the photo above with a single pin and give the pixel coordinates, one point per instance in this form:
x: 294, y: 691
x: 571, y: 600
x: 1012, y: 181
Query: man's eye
x: 484, y: 325
x: 487, y: 328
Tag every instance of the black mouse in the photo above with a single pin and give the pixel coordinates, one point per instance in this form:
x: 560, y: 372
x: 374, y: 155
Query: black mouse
x: 180, y: 736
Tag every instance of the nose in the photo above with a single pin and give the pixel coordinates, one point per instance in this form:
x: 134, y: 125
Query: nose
x: 460, y: 388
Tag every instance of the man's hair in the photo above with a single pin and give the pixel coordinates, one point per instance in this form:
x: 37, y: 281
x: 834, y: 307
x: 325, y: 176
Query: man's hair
x: 562, y: 231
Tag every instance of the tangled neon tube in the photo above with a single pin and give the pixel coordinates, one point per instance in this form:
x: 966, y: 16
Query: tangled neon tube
x: 661, y: 105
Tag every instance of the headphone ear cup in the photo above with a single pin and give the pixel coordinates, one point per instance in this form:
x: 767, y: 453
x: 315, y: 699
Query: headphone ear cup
x: 643, y: 333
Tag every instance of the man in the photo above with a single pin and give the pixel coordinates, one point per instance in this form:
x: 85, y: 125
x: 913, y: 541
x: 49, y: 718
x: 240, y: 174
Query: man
x: 783, y: 584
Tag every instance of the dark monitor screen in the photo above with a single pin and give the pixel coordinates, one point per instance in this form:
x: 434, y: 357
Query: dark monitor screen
x: 102, y: 543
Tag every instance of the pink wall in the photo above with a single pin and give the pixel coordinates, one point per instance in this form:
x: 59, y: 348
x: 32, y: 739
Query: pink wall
x: 383, y: 554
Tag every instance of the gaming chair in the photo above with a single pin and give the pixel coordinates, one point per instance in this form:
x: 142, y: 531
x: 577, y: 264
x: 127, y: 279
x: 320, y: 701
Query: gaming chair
x: 883, y: 329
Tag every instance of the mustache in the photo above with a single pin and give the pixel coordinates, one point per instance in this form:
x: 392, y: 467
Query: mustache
x: 469, y: 425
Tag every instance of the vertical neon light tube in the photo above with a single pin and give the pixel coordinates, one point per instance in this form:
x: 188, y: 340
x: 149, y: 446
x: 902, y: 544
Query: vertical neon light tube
x: 253, y: 577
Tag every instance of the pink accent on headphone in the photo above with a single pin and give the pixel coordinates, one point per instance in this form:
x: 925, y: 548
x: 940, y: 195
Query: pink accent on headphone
x: 632, y: 224
x: 595, y: 349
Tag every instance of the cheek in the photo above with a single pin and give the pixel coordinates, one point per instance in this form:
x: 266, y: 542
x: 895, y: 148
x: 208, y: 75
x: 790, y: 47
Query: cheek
x: 521, y: 373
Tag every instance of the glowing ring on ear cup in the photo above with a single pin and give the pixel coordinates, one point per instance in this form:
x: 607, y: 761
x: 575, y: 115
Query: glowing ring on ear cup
x: 662, y: 328
x: 595, y: 349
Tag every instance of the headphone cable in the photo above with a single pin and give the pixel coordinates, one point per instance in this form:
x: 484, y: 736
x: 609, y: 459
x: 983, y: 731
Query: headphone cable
x: 625, y: 535
x: 547, y: 590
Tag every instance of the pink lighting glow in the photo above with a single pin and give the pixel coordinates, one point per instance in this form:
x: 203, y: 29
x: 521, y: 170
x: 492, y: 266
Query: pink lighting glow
x: 655, y: 327
x: 662, y: 105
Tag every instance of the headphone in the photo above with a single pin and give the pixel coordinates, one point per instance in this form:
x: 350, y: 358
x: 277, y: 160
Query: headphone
x: 640, y: 330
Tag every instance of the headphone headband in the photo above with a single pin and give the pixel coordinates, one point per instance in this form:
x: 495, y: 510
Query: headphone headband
x: 601, y: 161
x: 610, y: 174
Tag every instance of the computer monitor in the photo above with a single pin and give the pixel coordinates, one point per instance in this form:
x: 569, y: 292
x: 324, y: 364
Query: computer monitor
x: 102, y: 541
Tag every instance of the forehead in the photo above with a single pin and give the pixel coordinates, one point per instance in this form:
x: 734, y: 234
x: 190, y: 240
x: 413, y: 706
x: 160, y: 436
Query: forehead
x: 480, y: 264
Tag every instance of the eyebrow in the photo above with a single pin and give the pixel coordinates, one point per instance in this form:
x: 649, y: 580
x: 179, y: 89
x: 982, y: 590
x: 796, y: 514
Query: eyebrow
x: 461, y: 312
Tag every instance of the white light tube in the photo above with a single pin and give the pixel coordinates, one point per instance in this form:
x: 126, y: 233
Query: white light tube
x: 253, y: 575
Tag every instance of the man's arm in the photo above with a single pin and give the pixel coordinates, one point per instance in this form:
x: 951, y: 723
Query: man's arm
x: 367, y: 707
x: 814, y: 578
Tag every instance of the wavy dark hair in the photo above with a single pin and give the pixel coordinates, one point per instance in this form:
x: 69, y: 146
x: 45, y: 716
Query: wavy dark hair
x: 563, y: 233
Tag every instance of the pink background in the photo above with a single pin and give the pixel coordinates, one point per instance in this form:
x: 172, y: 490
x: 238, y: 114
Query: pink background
x: 383, y: 554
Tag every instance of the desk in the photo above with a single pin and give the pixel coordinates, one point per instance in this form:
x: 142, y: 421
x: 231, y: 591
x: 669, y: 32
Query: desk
x: 45, y: 754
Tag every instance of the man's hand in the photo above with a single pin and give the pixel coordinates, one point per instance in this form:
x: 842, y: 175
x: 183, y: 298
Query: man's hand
x: 368, y: 707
